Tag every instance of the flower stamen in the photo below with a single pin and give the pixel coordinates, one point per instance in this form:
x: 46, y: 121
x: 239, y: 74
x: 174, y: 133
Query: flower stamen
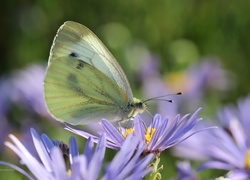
x: 149, y: 133
x: 127, y: 132
x: 247, y: 161
x: 69, y: 172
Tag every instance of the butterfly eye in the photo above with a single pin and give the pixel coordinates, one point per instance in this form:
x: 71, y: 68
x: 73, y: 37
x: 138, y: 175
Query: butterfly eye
x: 140, y: 105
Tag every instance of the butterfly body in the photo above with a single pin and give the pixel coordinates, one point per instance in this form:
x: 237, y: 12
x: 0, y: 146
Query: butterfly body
x: 84, y: 83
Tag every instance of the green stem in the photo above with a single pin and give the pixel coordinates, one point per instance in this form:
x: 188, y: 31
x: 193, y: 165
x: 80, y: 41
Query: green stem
x: 155, y: 174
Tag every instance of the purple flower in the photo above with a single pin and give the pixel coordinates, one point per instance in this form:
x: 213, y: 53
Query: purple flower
x: 5, y: 104
x: 27, y: 89
x: 226, y: 148
x: 21, y: 99
x: 161, y: 134
x: 126, y: 164
x: 4, y: 96
x: 23, y: 90
x: 185, y: 171
x: 193, y: 82
x: 202, y: 78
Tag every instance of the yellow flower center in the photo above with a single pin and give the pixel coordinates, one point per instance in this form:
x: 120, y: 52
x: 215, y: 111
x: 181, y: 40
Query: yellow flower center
x: 69, y: 173
x: 127, y: 132
x: 178, y: 80
x: 149, y: 133
x: 248, y: 159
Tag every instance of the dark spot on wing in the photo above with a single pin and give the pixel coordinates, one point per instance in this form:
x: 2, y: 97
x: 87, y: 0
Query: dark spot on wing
x: 80, y: 65
x: 73, y: 54
x: 73, y: 78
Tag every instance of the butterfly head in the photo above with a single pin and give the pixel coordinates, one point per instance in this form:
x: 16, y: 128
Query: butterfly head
x: 136, y: 107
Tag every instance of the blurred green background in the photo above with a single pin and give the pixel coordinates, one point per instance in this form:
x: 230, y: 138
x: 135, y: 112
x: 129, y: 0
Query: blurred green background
x: 179, y: 33
x: 204, y: 28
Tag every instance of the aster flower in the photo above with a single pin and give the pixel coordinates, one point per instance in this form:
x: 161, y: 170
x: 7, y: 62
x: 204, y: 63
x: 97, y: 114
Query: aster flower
x: 22, y: 91
x: 21, y: 96
x: 27, y: 89
x: 5, y: 108
x: 161, y: 134
x: 193, y: 82
x: 226, y: 148
x: 126, y: 164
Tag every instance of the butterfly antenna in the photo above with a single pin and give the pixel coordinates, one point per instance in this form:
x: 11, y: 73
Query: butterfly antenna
x: 161, y: 98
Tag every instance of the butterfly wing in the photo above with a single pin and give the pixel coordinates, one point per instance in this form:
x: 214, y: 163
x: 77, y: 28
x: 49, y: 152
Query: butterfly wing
x: 79, y: 93
x: 76, y: 40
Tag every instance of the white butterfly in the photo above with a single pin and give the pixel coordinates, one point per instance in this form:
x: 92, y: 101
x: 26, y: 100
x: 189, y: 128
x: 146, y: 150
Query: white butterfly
x: 84, y: 83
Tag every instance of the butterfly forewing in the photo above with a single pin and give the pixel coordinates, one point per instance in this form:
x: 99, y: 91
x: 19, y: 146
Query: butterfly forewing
x: 76, y: 40
x: 79, y: 93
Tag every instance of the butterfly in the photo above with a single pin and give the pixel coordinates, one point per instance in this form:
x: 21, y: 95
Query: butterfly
x: 84, y: 83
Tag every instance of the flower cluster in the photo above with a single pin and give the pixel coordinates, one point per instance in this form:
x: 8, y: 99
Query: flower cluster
x: 21, y: 101
x: 162, y: 133
x: 193, y: 81
x: 51, y: 165
x: 227, y: 147
x: 137, y: 146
